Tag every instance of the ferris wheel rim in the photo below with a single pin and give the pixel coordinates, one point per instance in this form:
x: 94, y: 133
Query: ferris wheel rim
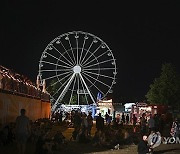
x: 86, y: 69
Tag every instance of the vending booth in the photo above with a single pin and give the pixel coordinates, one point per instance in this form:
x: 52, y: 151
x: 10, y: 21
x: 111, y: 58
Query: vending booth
x: 140, y: 107
x: 105, y: 106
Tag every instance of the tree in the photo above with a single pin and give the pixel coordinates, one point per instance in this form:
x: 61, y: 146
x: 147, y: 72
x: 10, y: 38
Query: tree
x: 165, y: 89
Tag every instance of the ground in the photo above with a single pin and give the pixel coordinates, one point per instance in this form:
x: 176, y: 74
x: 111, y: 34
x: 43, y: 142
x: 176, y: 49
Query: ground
x: 80, y: 148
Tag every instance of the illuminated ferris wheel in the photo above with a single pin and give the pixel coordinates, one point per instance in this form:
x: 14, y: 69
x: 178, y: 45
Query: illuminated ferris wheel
x: 76, y: 67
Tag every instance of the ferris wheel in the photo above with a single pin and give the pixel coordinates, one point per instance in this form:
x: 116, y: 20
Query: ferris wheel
x: 76, y: 67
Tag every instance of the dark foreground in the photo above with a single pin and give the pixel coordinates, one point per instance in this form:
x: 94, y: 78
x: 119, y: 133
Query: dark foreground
x: 73, y: 147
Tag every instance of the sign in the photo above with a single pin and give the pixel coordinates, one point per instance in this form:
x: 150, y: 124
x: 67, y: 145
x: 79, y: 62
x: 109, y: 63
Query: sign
x: 141, y: 104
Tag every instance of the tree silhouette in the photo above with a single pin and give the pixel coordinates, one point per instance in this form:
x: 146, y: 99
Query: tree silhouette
x: 165, y: 89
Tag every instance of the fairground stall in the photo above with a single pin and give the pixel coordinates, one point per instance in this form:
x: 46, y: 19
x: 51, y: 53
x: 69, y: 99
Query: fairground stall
x: 105, y: 106
x: 140, y: 107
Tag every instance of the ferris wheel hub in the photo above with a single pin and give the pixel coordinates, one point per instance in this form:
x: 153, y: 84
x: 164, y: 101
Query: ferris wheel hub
x: 77, y: 69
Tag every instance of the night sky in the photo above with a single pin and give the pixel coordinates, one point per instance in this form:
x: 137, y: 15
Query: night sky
x: 142, y: 37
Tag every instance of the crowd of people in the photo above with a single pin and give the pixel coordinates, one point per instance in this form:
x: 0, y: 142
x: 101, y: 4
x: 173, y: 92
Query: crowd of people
x: 19, y: 84
x: 40, y: 133
x: 108, y: 134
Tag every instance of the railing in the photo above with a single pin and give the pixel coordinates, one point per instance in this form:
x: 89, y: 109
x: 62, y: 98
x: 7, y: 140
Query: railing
x: 13, y: 83
x: 25, y: 91
x: 40, y: 95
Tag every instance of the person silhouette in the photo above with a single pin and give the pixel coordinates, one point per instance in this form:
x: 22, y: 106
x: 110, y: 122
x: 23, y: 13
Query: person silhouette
x: 22, y: 131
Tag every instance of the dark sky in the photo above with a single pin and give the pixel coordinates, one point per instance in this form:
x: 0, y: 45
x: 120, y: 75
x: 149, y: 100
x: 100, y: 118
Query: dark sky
x: 142, y: 37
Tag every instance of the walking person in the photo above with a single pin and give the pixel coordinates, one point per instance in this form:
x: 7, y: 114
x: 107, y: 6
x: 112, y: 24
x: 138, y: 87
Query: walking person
x: 22, y: 131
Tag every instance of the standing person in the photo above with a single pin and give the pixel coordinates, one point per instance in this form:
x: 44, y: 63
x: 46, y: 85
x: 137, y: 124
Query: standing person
x: 123, y: 118
x: 99, y: 122
x: 118, y: 118
x: 77, y: 124
x: 60, y: 117
x: 127, y: 118
x: 151, y: 124
x: 22, y: 131
x: 143, y: 124
x: 90, y: 122
x: 134, y: 121
x: 84, y: 124
x: 156, y: 118
x: 106, y: 117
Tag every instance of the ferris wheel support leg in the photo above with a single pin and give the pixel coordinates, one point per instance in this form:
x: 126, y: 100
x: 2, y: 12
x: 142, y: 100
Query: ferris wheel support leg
x: 63, y: 92
x: 87, y: 88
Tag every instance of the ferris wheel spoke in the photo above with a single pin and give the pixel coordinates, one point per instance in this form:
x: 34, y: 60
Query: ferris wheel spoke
x: 109, y: 77
x: 54, y: 76
x: 72, y: 63
x: 92, y: 54
x: 54, y: 64
x: 58, y: 59
x: 72, y: 91
x: 97, y: 80
x: 51, y: 55
x: 59, y: 81
x: 99, y: 63
x: 63, y: 84
x: 66, y: 88
x: 82, y: 50
x: 87, y: 88
x: 77, y: 49
x: 72, y: 51
x: 81, y: 62
x: 63, y: 78
x: 97, y: 69
x: 57, y: 70
x: 63, y: 55
x: 93, y: 84
x: 84, y: 90
x: 95, y: 58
